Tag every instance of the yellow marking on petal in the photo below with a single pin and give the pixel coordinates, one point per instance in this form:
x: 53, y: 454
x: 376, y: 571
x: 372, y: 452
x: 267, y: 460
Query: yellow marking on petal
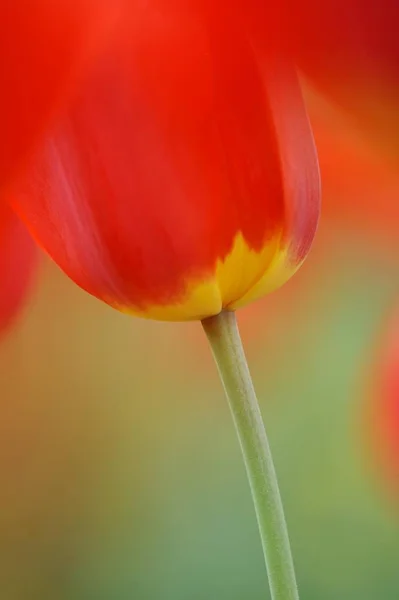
x: 242, y: 267
x: 201, y: 300
x: 243, y: 276
x: 279, y: 271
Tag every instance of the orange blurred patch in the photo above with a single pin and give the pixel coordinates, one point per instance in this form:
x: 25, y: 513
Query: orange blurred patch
x: 360, y: 180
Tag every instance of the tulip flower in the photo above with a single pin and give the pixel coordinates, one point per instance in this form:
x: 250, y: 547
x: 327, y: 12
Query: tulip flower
x: 43, y: 47
x: 18, y: 257
x: 182, y: 183
x: 183, y: 179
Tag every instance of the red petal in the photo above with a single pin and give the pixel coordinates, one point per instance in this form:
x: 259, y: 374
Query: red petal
x: 42, y: 45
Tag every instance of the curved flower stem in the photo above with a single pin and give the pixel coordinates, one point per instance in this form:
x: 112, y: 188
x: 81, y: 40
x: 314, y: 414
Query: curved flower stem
x: 225, y: 341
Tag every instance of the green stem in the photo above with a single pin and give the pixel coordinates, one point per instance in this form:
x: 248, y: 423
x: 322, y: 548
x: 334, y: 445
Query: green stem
x: 225, y: 341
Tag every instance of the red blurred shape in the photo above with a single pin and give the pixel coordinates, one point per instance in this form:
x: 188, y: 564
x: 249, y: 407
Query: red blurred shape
x: 383, y: 416
x: 350, y: 50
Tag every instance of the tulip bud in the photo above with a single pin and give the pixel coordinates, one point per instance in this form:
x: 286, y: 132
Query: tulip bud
x: 183, y: 178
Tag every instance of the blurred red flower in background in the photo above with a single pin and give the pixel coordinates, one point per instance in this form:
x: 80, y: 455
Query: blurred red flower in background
x: 350, y: 50
x: 383, y: 412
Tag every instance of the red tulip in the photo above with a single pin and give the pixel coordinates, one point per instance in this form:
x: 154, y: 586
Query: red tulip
x: 17, y: 264
x: 43, y: 46
x: 183, y: 178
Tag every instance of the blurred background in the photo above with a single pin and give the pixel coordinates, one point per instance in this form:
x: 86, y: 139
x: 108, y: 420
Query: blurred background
x: 121, y: 476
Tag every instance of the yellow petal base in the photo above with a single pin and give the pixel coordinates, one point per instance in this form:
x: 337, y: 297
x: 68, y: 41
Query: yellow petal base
x: 243, y: 276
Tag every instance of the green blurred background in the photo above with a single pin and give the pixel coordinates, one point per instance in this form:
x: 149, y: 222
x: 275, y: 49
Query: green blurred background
x: 121, y: 477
